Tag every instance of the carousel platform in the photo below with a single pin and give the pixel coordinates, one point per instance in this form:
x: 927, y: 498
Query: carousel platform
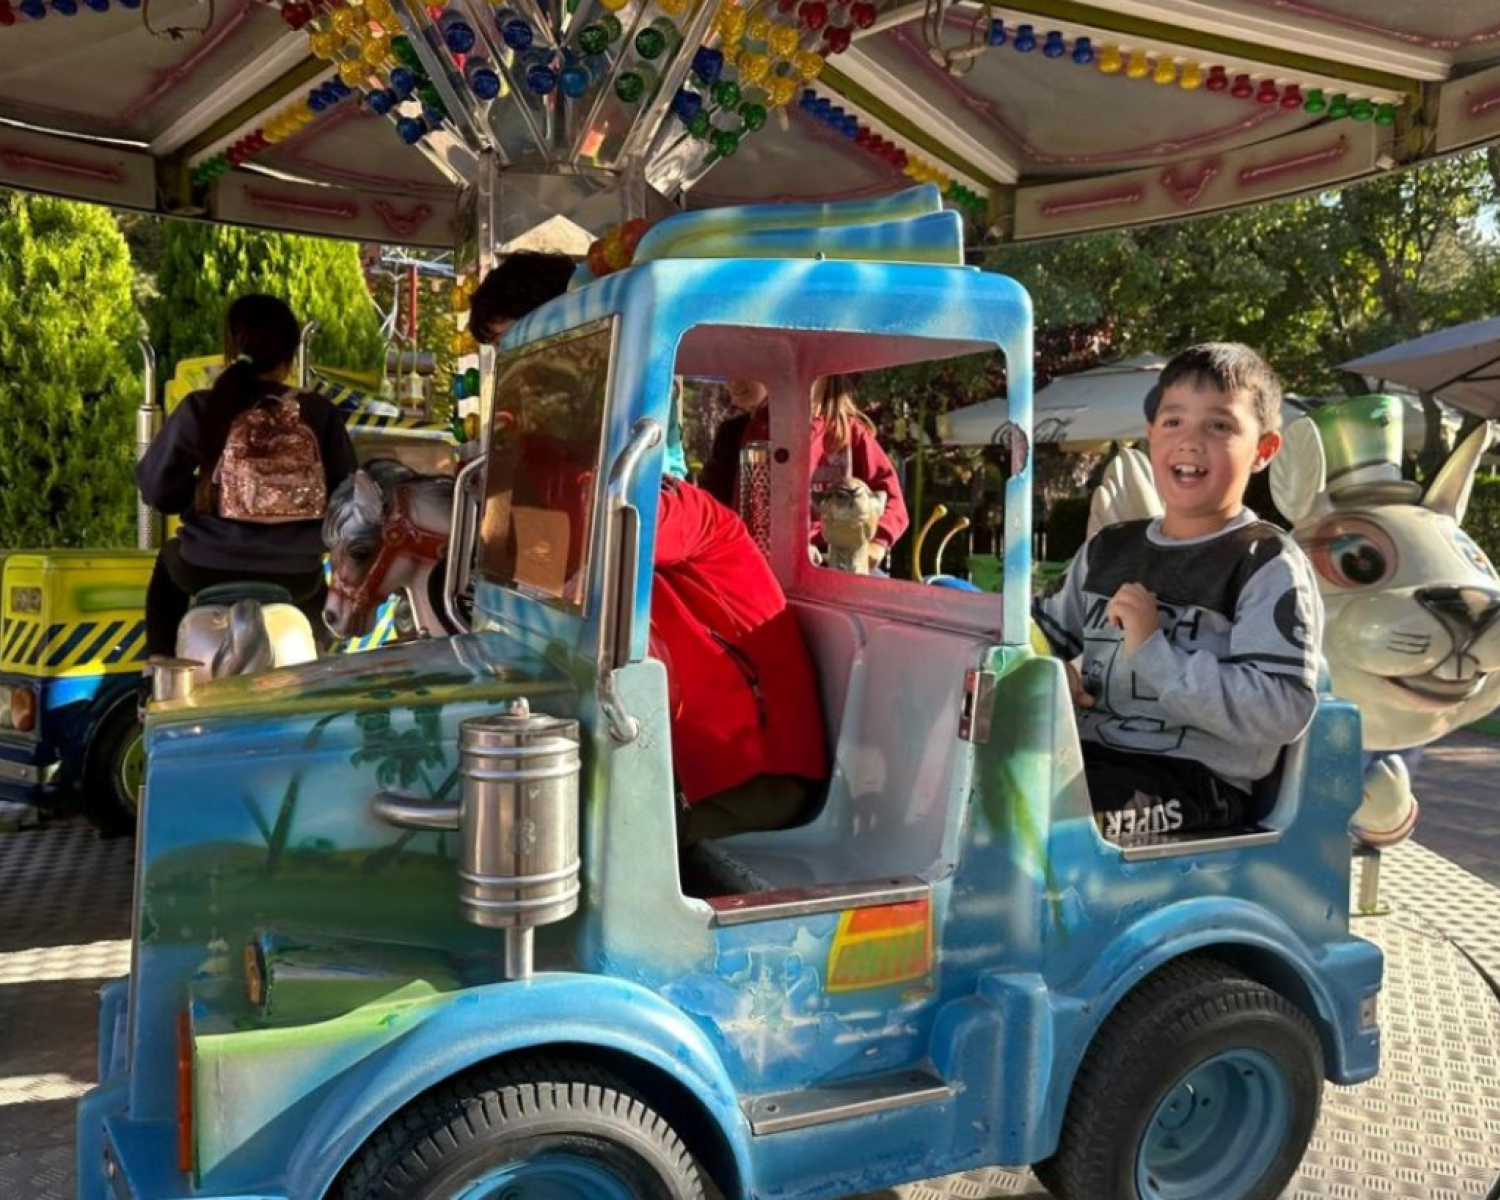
x: 1428, y: 1126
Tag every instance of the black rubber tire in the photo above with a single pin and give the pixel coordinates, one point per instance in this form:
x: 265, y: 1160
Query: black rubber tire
x: 1184, y: 1014
x: 482, y: 1120
x: 107, y: 803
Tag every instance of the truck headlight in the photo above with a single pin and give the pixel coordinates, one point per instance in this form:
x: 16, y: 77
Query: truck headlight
x: 22, y: 708
x: 5, y: 721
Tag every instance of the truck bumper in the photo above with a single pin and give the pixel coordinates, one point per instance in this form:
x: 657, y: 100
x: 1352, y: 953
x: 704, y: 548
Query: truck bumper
x: 28, y: 772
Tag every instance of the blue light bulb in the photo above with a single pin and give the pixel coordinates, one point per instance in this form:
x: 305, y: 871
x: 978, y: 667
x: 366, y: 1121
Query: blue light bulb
x: 1025, y: 39
x: 1054, y: 47
x: 996, y: 36
x: 1083, y: 51
x: 411, y: 130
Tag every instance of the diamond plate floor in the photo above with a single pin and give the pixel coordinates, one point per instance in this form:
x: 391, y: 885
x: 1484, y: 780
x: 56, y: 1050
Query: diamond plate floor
x: 1428, y: 1127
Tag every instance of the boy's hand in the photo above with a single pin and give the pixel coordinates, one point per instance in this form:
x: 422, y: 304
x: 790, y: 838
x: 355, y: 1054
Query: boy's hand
x: 1133, y: 609
x: 1082, y: 697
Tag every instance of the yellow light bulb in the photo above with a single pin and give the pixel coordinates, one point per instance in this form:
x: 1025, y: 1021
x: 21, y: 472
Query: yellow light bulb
x: 345, y: 21
x: 1165, y: 71
x: 353, y: 72
x: 754, y: 67
x: 322, y: 44
x: 781, y: 90
x: 1139, y: 65
x: 783, y: 41
x: 373, y: 53
x: 613, y: 5
x: 758, y: 27
x: 673, y: 8
x: 1110, y: 61
x: 1191, y: 78
x: 809, y: 65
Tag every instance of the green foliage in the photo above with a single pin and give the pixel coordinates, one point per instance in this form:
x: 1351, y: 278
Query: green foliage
x: 68, y: 388
x: 203, y: 268
x: 1482, y: 521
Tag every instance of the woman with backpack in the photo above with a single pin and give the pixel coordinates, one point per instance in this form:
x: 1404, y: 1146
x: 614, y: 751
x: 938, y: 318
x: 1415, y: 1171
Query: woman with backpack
x: 249, y: 466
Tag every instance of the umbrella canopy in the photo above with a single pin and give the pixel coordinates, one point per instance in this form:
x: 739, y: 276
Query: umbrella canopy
x: 1461, y: 364
x: 1085, y: 411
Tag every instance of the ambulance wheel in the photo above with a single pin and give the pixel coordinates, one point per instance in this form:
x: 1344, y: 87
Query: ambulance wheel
x: 114, y: 771
x: 1203, y: 1085
x: 542, y: 1130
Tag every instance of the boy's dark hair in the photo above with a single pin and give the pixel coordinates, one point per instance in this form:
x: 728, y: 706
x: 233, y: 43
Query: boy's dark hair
x: 1229, y: 367
x: 261, y: 334
x: 523, y: 281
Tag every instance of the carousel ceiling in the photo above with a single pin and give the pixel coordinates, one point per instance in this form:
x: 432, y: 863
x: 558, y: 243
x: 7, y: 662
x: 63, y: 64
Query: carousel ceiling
x: 1036, y: 119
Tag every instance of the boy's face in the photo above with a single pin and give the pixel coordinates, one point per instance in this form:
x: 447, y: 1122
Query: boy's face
x: 1205, y: 444
x: 747, y: 394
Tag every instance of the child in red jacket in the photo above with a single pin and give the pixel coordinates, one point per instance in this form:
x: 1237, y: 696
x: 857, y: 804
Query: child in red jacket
x: 747, y: 727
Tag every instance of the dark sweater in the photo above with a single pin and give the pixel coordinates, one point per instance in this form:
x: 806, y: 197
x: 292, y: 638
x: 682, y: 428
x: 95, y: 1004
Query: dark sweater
x: 168, y: 474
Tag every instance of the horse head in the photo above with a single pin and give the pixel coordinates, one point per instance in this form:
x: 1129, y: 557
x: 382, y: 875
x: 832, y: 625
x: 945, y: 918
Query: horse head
x: 386, y: 531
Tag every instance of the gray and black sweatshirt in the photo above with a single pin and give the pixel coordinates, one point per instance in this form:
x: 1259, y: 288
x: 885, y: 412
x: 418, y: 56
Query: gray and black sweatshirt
x: 1230, y: 678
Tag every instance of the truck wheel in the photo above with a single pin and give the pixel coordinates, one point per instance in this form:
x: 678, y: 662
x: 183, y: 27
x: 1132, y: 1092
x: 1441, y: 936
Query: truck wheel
x: 114, y: 770
x: 1203, y: 1085
x: 540, y: 1130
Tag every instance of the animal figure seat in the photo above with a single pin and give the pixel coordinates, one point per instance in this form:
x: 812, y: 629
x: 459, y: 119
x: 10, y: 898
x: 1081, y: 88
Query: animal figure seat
x: 850, y: 513
x: 244, y: 628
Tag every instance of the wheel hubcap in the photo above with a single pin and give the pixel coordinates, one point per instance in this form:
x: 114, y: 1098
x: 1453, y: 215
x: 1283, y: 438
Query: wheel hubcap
x: 132, y: 771
x: 555, y: 1175
x: 1217, y: 1131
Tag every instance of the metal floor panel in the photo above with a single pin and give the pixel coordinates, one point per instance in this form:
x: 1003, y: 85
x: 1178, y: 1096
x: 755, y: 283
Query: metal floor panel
x: 1428, y: 1127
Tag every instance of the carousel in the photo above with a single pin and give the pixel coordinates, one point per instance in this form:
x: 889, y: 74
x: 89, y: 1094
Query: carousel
x: 883, y: 137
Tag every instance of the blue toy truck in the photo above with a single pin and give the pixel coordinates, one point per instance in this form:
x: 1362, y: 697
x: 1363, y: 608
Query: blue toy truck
x: 411, y: 923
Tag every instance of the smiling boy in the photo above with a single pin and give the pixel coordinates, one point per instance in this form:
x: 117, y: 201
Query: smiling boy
x: 1196, y: 633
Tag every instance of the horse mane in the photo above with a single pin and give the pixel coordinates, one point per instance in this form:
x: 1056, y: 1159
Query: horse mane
x: 353, y: 510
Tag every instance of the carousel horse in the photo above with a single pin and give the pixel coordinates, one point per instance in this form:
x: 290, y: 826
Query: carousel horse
x: 387, y: 532
x: 1412, y: 627
x: 850, y: 513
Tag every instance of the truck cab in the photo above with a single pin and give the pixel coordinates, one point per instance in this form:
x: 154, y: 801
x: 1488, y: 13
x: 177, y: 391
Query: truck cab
x: 339, y: 990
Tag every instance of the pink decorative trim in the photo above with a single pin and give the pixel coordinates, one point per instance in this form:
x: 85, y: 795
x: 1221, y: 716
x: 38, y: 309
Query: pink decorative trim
x: 402, y: 224
x: 20, y: 160
x: 1085, y: 202
x: 1255, y: 116
x: 1482, y: 103
x: 340, y: 210
x: 179, y: 72
x: 1294, y: 164
x: 1302, y: 9
x: 1187, y: 190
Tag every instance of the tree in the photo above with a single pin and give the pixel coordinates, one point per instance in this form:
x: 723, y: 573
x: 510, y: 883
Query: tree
x: 67, y: 385
x: 204, y: 268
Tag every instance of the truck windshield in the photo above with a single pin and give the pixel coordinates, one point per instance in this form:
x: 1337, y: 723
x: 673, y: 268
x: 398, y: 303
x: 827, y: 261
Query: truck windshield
x: 546, y: 439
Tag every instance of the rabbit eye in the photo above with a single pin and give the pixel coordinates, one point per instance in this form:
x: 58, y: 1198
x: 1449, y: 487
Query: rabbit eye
x: 1351, y: 552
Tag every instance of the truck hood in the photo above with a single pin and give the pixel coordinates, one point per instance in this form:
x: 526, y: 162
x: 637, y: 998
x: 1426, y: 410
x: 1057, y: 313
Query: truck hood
x: 478, y: 666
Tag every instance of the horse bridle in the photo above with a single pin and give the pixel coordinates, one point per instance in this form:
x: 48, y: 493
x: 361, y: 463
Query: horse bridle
x: 401, y: 537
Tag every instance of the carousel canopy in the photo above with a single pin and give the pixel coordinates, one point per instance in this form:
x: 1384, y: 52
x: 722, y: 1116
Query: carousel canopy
x: 1049, y: 117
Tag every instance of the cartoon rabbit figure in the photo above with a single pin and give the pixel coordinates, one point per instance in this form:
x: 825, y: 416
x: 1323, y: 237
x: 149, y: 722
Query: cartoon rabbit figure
x: 1412, y: 629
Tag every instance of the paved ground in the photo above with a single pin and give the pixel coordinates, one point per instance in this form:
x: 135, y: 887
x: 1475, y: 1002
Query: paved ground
x: 1428, y: 1127
x: 1458, y: 787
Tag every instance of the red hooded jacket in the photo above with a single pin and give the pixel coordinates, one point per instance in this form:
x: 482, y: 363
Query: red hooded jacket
x: 743, y: 690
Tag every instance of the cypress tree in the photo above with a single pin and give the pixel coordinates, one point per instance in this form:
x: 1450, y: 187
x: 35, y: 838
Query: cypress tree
x: 68, y: 383
x: 203, y: 268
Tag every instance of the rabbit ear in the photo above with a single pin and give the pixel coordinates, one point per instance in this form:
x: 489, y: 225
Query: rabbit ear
x: 1450, y: 491
x: 1126, y: 493
x: 1299, y: 472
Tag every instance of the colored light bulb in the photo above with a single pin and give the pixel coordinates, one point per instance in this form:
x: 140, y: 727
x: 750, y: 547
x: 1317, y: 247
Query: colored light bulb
x: 403, y: 81
x: 458, y: 34
x: 673, y: 8
x: 1362, y: 110
x: 754, y: 67
x: 1316, y: 102
x: 1164, y: 72
x: 700, y: 125
x: 411, y: 130
x: 783, y: 41
x: 1218, y: 79
x: 482, y: 78
x: 995, y: 35
x: 322, y: 44
x: 541, y: 76
x: 753, y: 115
x: 729, y: 22
x: 726, y: 93
x: 592, y: 39
x: 382, y: 100
x: 1385, y: 114
x: 1338, y: 107
x: 353, y: 72
x: 780, y: 90
x: 1291, y: 97
x: 649, y: 43
x: 344, y: 21
x: 574, y: 81
x: 837, y: 38
x: 1190, y: 78
x: 1054, y: 46
x: 1111, y: 62
x: 7, y: 15
x: 404, y: 51
x: 1267, y: 92
x: 1242, y: 88
x: 612, y: 26
x: 809, y: 65
x: 725, y: 142
x: 1025, y: 39
x: 707, y: 64
x: 430, y: 99
x: 1083, y: 51
x: 757, y: 27
x: 1138, y: 66
x: 515, y: 31
x: 813, y: 14
x: 633, y: 86
x: 686, y: 105
x: 97, y: 5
